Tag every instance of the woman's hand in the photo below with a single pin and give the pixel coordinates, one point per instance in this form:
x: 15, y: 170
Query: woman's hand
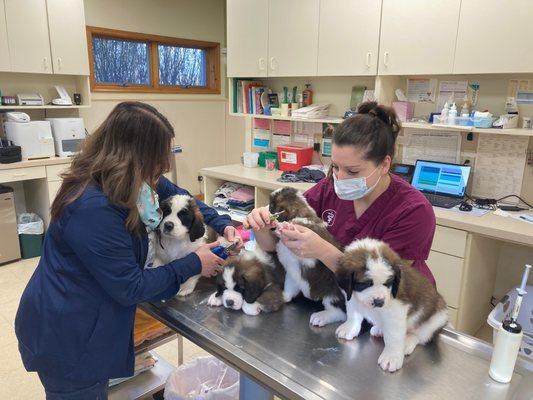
x: 232, y: 235
x: 301, y: 240
x: 258, y: 219
x: 211, y: 263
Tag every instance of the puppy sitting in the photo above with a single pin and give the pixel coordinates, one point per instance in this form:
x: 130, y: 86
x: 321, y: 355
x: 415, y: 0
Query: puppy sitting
x: 308, y: 276
x: 403, y: 306
x: 250, y: 281
x: 180, y: 233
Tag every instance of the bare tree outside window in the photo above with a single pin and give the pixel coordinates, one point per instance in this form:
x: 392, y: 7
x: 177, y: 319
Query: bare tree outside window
x: 181, y: 66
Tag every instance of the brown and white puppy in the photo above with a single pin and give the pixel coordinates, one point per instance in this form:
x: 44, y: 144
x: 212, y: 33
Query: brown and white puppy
x: 251, y: 282
x: 308, y: 276
x: 180, y: 232
x: 402, y: 305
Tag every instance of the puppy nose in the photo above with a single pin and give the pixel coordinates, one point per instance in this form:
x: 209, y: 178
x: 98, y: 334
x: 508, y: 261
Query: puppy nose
x: 378, y: 302
x: 168, y: 226
x: 230, y: 303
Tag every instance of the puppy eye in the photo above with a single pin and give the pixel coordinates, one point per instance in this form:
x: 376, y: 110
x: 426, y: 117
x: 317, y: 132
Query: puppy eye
x: 388, y: 283
x: 360, y: 286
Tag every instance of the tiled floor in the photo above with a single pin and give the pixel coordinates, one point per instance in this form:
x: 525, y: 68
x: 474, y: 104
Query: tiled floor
x: 15, y: 382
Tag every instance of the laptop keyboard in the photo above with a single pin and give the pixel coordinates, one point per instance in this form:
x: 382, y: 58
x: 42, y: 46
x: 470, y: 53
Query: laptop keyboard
x: 442, y: 201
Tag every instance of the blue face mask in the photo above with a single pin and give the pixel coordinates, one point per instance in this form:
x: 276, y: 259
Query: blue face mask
x: 353, y: 189
x: 148, y: 206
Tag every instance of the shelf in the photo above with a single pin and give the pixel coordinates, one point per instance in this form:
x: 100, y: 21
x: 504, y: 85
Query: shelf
x: 148, y: 345
x: 331, y: 120
x: 45, y: 107
x: 457, y: 128
x: 145, y: 384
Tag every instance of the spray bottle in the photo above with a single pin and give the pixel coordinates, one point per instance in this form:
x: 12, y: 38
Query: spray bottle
x: 452, y: 115
x: 508, y: 339
x: 444, y: 113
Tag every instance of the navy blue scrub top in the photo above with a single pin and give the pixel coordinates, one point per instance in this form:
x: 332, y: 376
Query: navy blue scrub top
x: 76, y: 315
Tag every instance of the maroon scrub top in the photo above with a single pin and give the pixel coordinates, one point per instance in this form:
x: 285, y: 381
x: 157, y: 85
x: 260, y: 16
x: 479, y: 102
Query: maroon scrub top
x: 401, y: 216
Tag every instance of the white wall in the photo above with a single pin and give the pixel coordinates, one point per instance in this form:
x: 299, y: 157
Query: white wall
x: 208, y: 135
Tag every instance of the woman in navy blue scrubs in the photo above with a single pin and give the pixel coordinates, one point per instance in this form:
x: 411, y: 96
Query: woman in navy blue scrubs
x: 75, y: 319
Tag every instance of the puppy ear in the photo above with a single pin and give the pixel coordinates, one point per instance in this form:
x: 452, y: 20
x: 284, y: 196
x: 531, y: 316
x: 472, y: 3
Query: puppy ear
x: 345, y: 279
x: 253, y: 283
x: 197, y: 228
x: 396, y: 281
x: 158, y: 237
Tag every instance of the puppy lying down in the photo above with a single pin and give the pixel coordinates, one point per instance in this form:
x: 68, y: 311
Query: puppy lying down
x: 252, y: 282
x: 402, y: 305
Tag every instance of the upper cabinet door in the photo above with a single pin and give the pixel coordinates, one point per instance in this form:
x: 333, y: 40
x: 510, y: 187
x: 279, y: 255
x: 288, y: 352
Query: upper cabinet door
x: 495, y: 36
x: 247, y: 38
x: 418, y: 37
x: 5, y: 63
x: 293, y: 37
x: 29, y: 44
x: 68, y: 38
x: 348, y: 38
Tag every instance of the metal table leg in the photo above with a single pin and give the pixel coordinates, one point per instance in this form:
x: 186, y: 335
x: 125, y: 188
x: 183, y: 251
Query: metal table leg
x: 250, y: 390
x: 180, y: 350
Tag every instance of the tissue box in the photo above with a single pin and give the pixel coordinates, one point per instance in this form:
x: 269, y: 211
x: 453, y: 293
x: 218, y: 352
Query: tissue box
x: 404, y: 109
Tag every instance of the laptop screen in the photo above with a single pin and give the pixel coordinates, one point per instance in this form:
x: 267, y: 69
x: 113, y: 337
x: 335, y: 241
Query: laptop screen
x: 441, y: 178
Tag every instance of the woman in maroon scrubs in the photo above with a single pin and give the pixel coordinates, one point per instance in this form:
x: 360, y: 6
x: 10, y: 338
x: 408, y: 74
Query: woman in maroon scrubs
x: 360, y: 198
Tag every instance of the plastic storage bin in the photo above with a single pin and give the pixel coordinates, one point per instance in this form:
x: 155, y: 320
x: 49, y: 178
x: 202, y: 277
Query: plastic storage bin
x: 525, y: 319
x: 292, y: 158
x: 204, y: 378
x: 30, y: 229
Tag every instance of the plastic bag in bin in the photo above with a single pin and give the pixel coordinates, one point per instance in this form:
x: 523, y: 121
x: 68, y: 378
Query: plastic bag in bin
x: 30, y: 224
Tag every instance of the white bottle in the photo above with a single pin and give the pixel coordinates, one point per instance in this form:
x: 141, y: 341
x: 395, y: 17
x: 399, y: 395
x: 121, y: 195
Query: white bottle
x: 464, y: 111
x: 505, y: 351
x: 444, y: 113
x: 452, y: 115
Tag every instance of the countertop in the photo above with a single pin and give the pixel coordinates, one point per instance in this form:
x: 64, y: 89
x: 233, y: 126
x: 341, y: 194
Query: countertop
x: 37, y: 163
x: 281, y: 351
x: 490, y: 225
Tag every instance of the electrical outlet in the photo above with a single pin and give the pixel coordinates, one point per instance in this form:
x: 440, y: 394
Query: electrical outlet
x: 200, y: 178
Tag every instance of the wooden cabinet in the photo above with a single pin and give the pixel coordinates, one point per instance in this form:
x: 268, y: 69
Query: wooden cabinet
x: 27, y: 28
x: 494, y: 36
x: 418, y: 37
x: 247, y: 38
x: 5, y: 63
x: 293, y: 37
x: 68, y: 39
x: 346, y: 45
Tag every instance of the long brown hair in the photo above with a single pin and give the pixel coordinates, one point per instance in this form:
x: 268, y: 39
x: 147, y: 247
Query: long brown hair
x: 132, y: 145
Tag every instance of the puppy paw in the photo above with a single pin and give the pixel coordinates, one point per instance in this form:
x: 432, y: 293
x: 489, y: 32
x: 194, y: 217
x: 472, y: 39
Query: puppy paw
x: 376, y: 332
x: 251, y: 309
x: 348, y: 331
x: 411, y: 341
x: 214, y: 301
x: 390, y: 360
x: 325, y: 317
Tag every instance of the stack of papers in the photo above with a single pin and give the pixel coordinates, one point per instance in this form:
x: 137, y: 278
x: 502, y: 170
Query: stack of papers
x: 312, y: 111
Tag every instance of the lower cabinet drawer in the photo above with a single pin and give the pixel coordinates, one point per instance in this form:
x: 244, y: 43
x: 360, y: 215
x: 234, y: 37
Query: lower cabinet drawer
x: 448, y: 272
x: 449, y: 241
x: 21, y: 174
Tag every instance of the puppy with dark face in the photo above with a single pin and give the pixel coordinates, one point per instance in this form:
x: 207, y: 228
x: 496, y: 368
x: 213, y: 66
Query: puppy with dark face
x: 402, y: 305
x: 307, y: 276
x: 180, y: 232
x: 251, y: 282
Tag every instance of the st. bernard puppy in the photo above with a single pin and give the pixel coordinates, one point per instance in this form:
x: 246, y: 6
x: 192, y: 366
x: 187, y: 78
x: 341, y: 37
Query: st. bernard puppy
x: 402, y: 305
x: 304, y: 275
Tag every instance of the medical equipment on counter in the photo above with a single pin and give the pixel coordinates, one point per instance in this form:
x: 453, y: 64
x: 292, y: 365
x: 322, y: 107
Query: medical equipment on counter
x: 9, y: 100
x: 34, y: 137
x: 69, y: 134
x: 508, y: 339
x: 16, y: 116
x: 63, y: 99
x: 9, y: 153
x: 30, y: 99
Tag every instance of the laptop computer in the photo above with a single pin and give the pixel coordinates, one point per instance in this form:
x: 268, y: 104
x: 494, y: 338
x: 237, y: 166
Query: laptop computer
x: 443, y: 184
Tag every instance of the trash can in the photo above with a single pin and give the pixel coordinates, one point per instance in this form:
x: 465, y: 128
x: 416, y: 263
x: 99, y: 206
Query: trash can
x: 204, y: 378
x: 30, y: 228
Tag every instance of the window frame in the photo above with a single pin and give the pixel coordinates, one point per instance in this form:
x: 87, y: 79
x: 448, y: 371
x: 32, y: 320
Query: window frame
x: 212, y: 55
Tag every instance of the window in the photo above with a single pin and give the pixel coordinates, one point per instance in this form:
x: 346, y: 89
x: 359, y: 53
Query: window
x: 136, y: 62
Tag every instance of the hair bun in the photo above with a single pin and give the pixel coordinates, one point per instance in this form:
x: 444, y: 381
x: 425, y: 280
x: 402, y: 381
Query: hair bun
x: 384, y: 113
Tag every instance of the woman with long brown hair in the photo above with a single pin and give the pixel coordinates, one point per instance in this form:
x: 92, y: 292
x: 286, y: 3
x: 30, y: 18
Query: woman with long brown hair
x: 75, y: 319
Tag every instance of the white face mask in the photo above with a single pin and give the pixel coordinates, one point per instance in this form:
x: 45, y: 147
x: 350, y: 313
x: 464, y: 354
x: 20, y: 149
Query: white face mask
x: 354, y: 188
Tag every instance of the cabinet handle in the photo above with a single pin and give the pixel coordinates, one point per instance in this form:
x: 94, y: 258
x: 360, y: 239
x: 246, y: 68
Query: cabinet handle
x: 386, y: 58
x: 368, y: 58
x: 272, y: 63
x: 261, y: 63
x: 59, y: 63
x: 45, y: 64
